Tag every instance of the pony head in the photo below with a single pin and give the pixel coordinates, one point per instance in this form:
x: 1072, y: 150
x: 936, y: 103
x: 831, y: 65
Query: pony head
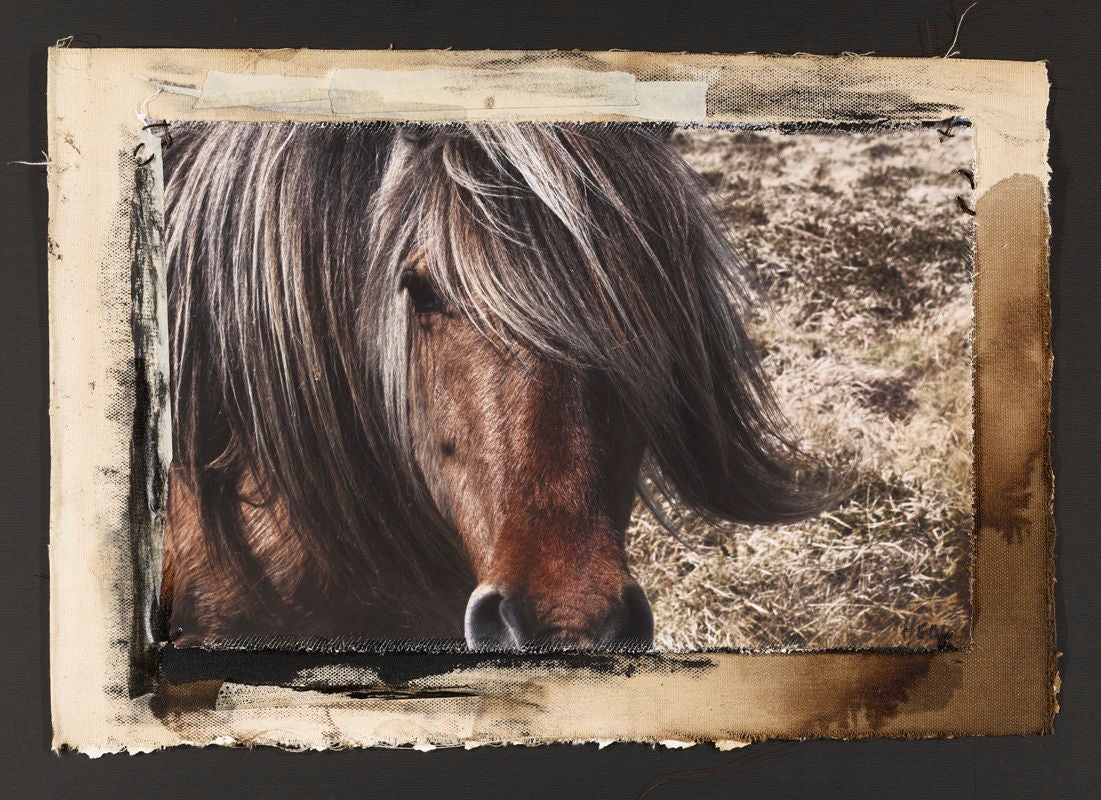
x: 455, y: 355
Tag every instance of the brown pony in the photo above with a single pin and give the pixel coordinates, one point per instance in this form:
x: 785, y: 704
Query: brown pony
x: 420, y: 375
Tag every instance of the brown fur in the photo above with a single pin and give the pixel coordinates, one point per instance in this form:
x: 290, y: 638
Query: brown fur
x: 535, y: 466
x: 206, y: 604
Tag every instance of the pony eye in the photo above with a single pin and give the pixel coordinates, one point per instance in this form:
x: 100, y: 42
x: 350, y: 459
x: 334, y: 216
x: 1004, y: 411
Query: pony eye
x: 421, y: 292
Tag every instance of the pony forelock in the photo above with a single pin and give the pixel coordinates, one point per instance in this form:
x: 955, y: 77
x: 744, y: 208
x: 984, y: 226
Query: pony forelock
x: 596, y: 246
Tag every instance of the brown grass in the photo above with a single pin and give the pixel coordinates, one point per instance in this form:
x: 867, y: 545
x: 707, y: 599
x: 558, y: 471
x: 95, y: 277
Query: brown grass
x: 864, y: 256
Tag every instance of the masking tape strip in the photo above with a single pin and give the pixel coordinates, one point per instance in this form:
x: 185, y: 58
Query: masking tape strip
x: 460, y: 94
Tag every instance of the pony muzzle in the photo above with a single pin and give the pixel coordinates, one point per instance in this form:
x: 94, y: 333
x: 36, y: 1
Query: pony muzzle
x: 496, y: 621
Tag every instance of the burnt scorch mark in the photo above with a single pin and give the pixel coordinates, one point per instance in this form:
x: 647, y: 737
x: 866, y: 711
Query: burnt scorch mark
x: 838, y: 126
x: 841, y: 94
x: 501, y: 697
x: 191, y: 677
x: 118, y: 590
x: 170, y: 699
x: 390, y: 693
x: 502, y: 701
x: 284, y: 668
x: 842, y: 105
x: 876, y: 690
x: 148, y: 473
x: 1012, y: 359
x: 525, y: 60
x: 1009, y: 513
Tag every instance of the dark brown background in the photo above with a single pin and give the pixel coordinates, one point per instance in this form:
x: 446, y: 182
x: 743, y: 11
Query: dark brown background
x: 1062, y: 32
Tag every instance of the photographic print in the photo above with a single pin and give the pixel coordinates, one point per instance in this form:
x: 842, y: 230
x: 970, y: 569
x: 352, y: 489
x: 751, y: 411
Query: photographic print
x: 517, y: 383
x: 470, y: 398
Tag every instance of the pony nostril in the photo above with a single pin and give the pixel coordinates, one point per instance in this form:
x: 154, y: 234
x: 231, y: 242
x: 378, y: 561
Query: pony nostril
x: 485, y: 626
x: 633, y: 629
x: 494, y: 622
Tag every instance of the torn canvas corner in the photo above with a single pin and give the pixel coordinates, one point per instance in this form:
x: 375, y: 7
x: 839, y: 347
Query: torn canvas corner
x: 445, y: 399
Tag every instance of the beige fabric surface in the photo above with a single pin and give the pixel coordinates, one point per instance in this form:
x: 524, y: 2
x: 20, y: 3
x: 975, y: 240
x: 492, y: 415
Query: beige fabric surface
x: 1004, y: 683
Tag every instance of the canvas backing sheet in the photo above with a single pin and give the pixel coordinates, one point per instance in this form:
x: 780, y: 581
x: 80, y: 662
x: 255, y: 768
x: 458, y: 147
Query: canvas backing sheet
x: 101, y: 158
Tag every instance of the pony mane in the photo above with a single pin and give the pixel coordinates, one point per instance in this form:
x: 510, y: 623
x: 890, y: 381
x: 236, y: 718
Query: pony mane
x: 596, y: 246
x: 593, y: 245
x: 267, y: 228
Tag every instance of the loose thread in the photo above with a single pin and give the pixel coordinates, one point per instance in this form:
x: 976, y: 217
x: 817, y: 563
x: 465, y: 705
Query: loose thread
x: 45, y: 163
x: 166, y: 131
x: 949, y: 124
x: 146, y: 162
x: 951, y: 48
x: 85, y: 39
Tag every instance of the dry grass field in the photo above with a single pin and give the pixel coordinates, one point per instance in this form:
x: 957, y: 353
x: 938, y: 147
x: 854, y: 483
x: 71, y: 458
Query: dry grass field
x: 862, y: 256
